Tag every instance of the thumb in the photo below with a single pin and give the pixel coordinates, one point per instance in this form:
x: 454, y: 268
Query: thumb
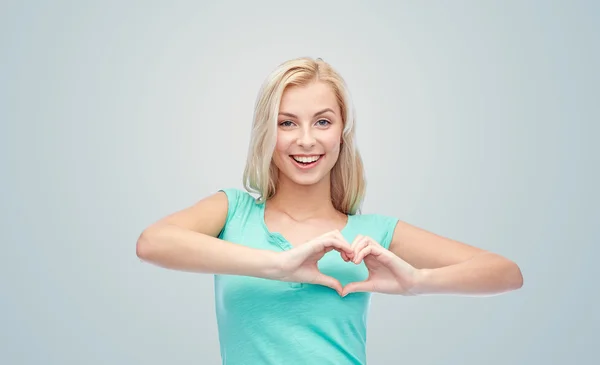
x: 357, y: 286
x: 328, y: 281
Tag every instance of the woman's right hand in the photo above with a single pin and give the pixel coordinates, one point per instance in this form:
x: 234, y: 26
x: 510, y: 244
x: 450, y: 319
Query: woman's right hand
x: 300, y: 264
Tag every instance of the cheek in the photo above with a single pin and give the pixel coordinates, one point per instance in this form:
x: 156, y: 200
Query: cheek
x: 282, y: 145
x: 281, y: 152
x: 333, y: 145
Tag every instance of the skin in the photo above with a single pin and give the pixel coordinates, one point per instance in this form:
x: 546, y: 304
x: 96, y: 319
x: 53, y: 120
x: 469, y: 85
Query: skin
x: 418, y: 262
x: 309, y: 123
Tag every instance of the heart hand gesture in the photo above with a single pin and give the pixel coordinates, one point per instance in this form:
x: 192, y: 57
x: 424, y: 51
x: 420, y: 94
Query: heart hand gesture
x: 388, y: 273
x: 300, y: 264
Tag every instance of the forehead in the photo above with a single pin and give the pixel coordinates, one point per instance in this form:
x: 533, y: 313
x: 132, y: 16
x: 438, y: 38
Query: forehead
x: 314, y: 96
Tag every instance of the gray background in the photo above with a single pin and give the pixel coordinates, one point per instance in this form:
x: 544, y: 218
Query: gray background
x: 476, y: 121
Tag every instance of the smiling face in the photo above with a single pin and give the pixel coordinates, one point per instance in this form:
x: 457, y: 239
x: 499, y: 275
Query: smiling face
x: 309, y: 133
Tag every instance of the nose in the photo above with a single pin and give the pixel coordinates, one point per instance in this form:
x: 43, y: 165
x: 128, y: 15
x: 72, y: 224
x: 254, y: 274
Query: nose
x: 306, y: 138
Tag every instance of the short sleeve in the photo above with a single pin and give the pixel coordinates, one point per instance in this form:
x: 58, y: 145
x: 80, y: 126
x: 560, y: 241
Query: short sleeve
x: 233, y: 198
x: 387, y: 226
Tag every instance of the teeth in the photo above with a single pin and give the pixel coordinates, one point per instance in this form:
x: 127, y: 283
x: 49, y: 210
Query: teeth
x: 306, y: 159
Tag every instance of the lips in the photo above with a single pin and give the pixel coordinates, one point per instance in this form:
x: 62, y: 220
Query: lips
x: 306, y: 161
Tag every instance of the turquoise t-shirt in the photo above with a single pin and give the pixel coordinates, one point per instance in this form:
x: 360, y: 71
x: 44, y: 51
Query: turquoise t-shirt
x: 265, y: 322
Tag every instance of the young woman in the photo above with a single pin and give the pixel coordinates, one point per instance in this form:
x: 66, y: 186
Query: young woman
x: 295, y: 267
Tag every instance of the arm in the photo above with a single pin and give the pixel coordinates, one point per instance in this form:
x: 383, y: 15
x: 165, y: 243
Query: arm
x: 186, y: 241
x: 447, y: 266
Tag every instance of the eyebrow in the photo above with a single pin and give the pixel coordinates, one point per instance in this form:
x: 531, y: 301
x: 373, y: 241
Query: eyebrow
x: 317, y: 113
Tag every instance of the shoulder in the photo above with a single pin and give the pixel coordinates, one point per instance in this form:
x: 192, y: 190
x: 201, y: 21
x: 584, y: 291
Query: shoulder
x: 380, y: 227
x: 239, y: 202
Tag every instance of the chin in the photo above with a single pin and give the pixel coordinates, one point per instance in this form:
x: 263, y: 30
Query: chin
x: 303, y: 178
x: 306, y: 180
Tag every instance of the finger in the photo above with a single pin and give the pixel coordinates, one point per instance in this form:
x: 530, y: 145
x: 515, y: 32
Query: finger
x: 342, y: 253
x: 358, y: 286
x: 371, y: 249
x: 328, y: 281
x: 359, y: 246
x: 361, y: 254
x: 344, y: 256
x: 321, y: 246
x: 337, y: 234
x: 334, y: 233
x: 337, y: 244
x: 356, y: 240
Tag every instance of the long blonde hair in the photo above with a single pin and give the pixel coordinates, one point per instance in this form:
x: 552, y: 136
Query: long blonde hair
x: 260, y: 174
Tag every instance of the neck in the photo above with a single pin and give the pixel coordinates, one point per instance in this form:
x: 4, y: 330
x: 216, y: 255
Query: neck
x: 303, y: 201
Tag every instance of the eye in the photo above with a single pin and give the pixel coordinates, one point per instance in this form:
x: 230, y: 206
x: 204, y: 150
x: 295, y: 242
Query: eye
x: 323, y: 122
x: 286, y: 123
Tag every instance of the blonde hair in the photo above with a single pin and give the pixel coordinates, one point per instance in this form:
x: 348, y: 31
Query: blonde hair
x: 260, y: 174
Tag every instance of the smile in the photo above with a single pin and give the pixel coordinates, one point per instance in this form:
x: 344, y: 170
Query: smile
x: 306, y: 161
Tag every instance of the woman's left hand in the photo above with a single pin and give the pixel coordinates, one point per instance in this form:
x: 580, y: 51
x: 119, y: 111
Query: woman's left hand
x: 388, y: 273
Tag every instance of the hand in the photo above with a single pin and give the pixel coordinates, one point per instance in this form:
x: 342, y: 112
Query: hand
x: 300, y: 263
x: 388, y: 273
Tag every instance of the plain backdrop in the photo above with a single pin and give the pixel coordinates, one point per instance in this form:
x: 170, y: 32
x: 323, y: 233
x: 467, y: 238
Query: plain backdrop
x: 476, y: 120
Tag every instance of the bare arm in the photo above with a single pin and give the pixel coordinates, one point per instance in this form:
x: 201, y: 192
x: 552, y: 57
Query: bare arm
x: 186, y: 241
x: 452, y: 267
